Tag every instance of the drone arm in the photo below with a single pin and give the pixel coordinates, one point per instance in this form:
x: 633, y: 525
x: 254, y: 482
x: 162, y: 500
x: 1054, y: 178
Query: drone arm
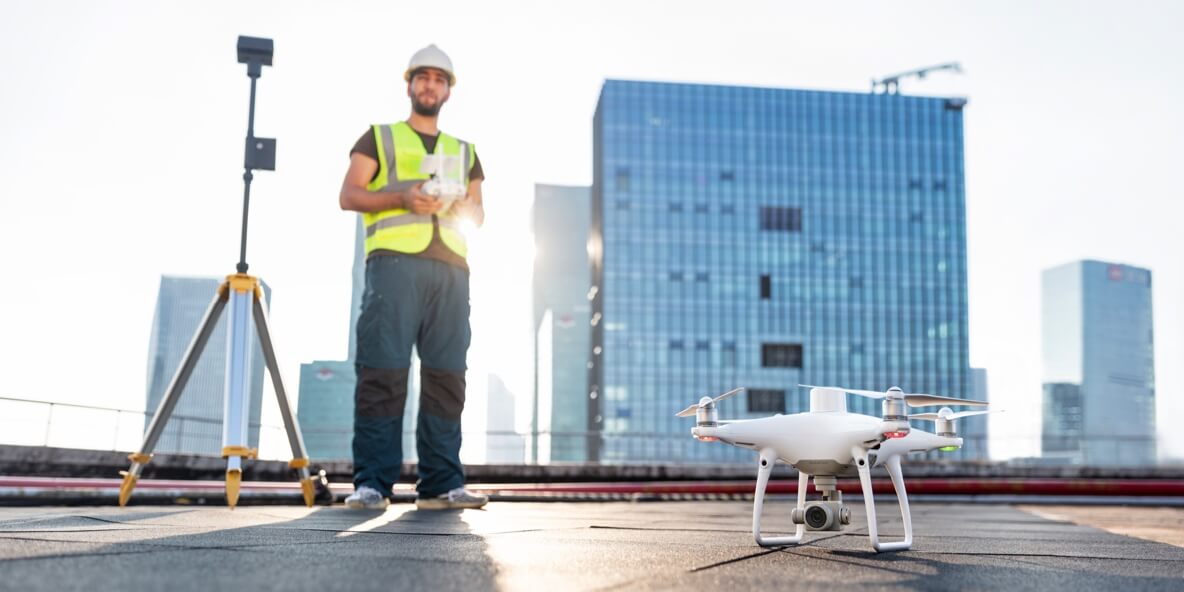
x: 768, y: 459
x: 869, y: 501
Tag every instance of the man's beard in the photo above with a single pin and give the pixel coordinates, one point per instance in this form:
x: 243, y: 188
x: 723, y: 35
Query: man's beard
x: 425, y: 110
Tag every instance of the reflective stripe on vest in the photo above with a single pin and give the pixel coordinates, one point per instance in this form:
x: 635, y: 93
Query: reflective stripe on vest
x: 400, y: 156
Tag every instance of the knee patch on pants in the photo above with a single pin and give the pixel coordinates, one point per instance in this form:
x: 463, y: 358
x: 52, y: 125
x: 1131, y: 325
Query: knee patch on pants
x: 442, y: 392
x: 381, y: 392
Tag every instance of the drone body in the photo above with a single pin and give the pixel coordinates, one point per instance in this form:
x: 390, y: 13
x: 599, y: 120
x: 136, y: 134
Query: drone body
x: 828, y: 442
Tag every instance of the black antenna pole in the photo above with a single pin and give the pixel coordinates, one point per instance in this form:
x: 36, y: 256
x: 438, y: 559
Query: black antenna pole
x: 260, y: 152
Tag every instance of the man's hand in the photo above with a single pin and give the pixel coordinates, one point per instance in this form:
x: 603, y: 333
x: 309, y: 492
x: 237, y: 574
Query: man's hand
x: 419, y: 202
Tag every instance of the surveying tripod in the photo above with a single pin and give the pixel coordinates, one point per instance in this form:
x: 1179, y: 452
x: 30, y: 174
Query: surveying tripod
x: 245, y: 296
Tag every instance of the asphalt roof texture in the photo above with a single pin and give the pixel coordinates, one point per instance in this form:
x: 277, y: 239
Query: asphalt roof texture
x: 564, y: 546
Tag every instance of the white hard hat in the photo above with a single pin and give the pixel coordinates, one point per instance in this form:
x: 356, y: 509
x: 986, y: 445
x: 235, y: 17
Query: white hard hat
x: 430, y: 57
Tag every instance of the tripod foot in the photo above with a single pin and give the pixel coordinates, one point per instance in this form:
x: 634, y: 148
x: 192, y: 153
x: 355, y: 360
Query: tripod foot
x: 234, y: 478
x: 309, y: 491
x: 125, y: 488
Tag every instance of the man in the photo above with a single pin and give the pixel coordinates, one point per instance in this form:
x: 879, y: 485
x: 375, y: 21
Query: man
x: 417, y: 293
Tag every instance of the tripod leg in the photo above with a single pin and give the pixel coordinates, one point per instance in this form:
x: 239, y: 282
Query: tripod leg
x: 295, y: 440
x: 236, y: 402
x: 169, y: 401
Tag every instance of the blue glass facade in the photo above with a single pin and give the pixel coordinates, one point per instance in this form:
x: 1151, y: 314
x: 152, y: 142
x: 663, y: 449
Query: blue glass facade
x: 1099, y: 364
x: 325, y: 409
x: 973, y: 430
x: 763, y: 238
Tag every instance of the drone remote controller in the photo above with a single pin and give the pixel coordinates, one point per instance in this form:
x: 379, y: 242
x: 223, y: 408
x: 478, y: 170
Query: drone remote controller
x: 445, y: 190
x: 446, y: 182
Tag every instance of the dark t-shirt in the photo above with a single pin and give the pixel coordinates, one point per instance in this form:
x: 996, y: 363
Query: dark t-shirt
x: 367, y: 145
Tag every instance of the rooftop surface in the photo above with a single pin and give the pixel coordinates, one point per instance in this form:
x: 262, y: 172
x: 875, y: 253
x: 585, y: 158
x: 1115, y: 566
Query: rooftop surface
x: 703, y: 545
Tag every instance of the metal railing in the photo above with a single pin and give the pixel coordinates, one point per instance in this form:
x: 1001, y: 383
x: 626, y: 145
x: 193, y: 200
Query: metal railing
x: 31, y: 422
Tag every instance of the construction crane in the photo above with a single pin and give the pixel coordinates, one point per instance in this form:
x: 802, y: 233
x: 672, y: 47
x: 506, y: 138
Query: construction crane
x: 891, y: 84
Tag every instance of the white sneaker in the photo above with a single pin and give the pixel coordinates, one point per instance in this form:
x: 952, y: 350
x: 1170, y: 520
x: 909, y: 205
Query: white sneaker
x: 457, y: 498
x: 367, y: 498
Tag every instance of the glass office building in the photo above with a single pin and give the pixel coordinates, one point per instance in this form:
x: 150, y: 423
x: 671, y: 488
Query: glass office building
x: 560, y: 221
x: 195, y: 426
x: 503, y: 443
x: 973, y: 429
x: 765, y: 237
x: 325, y: 409
x: 1099, y: 364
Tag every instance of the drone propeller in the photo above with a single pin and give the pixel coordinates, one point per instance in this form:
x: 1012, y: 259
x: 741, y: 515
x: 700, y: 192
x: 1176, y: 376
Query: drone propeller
x: 705, y: 401
x: 913, y: 400
x: 947, y: 414
x: 944, y: 420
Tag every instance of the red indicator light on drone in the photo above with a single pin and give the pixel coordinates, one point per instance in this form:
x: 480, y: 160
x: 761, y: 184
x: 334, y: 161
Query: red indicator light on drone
x: 895, y: 434
x: 707, y: 438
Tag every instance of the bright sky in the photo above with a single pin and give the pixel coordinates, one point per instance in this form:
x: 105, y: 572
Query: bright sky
x: 121, y: 130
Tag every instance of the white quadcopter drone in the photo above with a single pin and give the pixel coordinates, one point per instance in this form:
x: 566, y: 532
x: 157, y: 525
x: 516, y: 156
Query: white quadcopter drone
x: 828, y: 442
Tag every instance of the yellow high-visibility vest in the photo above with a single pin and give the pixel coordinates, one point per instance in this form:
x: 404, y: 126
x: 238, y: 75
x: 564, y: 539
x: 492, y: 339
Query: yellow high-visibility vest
x: 400, y: 156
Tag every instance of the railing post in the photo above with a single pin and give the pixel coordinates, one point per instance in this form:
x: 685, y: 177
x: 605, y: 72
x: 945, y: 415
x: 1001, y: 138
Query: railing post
x: 115, y: 434
x: 48, y: 424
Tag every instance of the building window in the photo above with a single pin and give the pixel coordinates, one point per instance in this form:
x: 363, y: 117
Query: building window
x: 916, y: 217
x: 702, y: 345
x: 778, y: 218
x: 623, y: 204
x: 727, y: 209
x: 914, y: 183
x: 700, y: 208
x: 676, y: 276
x: 675, y: 207
x: 729, y: 353
x: 855, y: 282
x: 781, y: 355
x: 939, y: 185
x: 855, y: 358
x: 622, y: 178
x: 766, y: 287
x: 727, y: 175
x: 701, y: 277
x: 676, y: 344
x: 766, y: 401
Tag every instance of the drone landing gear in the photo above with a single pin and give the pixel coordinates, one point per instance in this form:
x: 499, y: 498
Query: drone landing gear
x: 865, y: 479
x: 768, y: 458
x: 892, y: 464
